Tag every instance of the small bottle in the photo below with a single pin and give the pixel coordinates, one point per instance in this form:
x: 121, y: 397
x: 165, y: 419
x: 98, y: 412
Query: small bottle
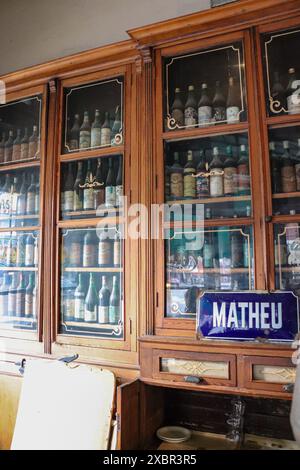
x: 8, y: 147
x: 77, y: 190
x: 191, y: 108
x: 79, y: 298
x: 88, y: 189
x: 2, y: 145
x: 119, y: 184
x: 104, y: 296
x: 275, y: 169
x: 110, y: 185
x: 16, y: 152
x: 29, y: 312
x: 96, y: 130
x: 177, y: 109
x: 230, y: 174
x: 176, y: 179
x: 89, y: 257
x: 20, y: 297
x: 25, y: 145
x: 202, y: 180
x: 91, y: 302
x: 189, y: 180
x: 29, y: 251
x: 116, y: 127
x: 22, y: 197
x: 106, y: 131
x: 219, y: 105
x: 74, y: 134
x: 68, y: 191
x: 114, y: 302
x: 216, y: 180
x: 204, y: 107
x: 33, y: 145
x: 30, y: 199
x: 105, y: 250
x: 288, y: 175
x: 293, y: 92
x: 233, y: 102
x: 243, y: 171
x: 85, y: 132
x: 297, y: 166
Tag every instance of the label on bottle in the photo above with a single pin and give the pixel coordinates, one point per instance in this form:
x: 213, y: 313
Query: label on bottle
x: 103, y: 314
x: 243, y: 178
x: 12, y: 300
x: 233, y: 114
x: 293, y: 101
x: 105, y: 136
x: 190, y: 116
x: 85, y: 139
x: 288, y: 179
x: 77, y: 202
x: 119, y: 195
x: 110, y: 196
x: 16, y: 154
x: 79, y: 309
x: 89, y: 255
x: 117, y: 253
x: 105, y: 253
x: 20, y: 304
x: 96, y: 137
x: 189, y: 183
x: 90, y: 315
x: 297, y: 171
x: 28, y: 305
x: 88, y: 199
x: 178, y: 116
x: 176, y: 185
x: 216, y: 183
x: 29, y: 255
x: 75, y: 254
x: 69, y: 307
x: 21, y: 204
x: 24, y: 151
x: 219, y: 114
x: 32, y: 149
x: 68, y: 200
x: 30, y: 203
x: 204, y: 115
x: 114, y: 314
x: 202, y: 187
x: 73, y: 144
x: 3, y: 303
x: 230, y: 180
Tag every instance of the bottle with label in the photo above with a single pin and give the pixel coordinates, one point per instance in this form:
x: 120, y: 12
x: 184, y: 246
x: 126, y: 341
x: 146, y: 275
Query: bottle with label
x: 216, y: 180
x: 106, y: 131
x: 202, y: 180
x: 110, y: 185
x: 114, y: 303
x: 16, y: 153
x: 243, y: 171
x: 237, y: 260
x: 78, y: 191
x: 29, y: 251
x: 8, y: 147
x: 37, y: 195
x: 85, y: 132
x: 191, y: 108
x: 68, y: 190
x: 117, y: 250
x: 119, y: 184
x: 4, y: 289
x: 68, y: 304
x: 104, y: 296
x: 293, y: 92
x: 20, y: 296
x: 89, y: 257
x: 278, y: 93
x: 219, y: 104
x: 91, y: 302
x: 189, y: 180
x: 230, y: 174
x: 6, y: 195
x: 208, y: 251
x: 15, y: 194
x: 22, y: 198
x: 33, y: 145
x: 75, y: 252
x: 96, y: 130
x: 176, y: 179
x: 116, y: 127
x: 29, y: 312
x: 177, y: 109
x: 233, y: 102
x: 25, y: 145
x: 21, y: 250
x: 12, y: 295
x: 31, y: 196
x: 288, y: 175
x: 88, y: 188
x: 275, y: 169
x: 204, y: 107
x: 11, y: 253
x: 74, y: 134
x: 99, y: 188
x: 79, y: 300
x: 292, y: 234
x: 105, y: 250
x: 2, y: 145
x: 297, y: 166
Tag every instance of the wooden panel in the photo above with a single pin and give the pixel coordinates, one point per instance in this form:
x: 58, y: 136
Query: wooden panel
x: 10, y: 388
x: 128, y: 416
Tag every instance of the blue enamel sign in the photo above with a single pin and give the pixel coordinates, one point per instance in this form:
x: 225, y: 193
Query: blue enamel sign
x: 248, y: 315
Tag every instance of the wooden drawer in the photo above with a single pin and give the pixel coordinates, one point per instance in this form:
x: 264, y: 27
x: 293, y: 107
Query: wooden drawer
x: 211, y: 369
x: 268, y: 373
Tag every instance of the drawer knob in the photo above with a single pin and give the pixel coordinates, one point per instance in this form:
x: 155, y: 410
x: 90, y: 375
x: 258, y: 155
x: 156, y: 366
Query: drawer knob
x: 193, y: 379
x: 288, y: 388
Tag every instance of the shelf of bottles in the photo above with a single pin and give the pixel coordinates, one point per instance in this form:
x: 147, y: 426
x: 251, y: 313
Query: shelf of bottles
x: 216, y: 258
x: 92, y: 282
x: 205, y: 88
x: 287, y: 256
x: 93, y: 116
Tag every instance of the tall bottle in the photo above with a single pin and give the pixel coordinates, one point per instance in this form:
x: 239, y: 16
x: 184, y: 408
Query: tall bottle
x: 31, y: 196
x: 176, y: 178
x: 288, y: 175
x: 106, y: 131
x: 275, y: 169
x: 119, y: 184
x: 117, y: 250
x: 297, y: 166
x: 88, y: 188
x: 104, y: 296
x: 243, y: 171
x: 12, y: 295
x: 8, y: 147
x: 105, y: 250
x: 219, y: 104
x: 208, y: 251
x: 237, y: 260
x: 116, y: 127
x: 114, y: 302
x: 89, y: 257
x: 91, y: 302
x: 79, y: 298
x: 6, y: 192
x: 4, y: 289
x: 99, y: 189
x: 110, y: 186
x: 78, y: 191
x: 189, y: 180
x: 20, y: 296
x: 15, y: 194
x: 16, y: 153
x: 233, y: 102
x: 68, y: 191
x: 293, y: 92
x: 202, y: 181
x: 33, y: 145
x: 177, y: 109
x: 2, y: 145
x: 230, y: 174
x: 29, y: 251
x: 21, y: 243
x: 216, y: 180
x: 96, y: 130
x: 25, y: 145
x: 74, y: 134
x: 85, y: 132
x: 191, y: 108
x: 29, y: 312
x: 278, y: 92
x: 22, y: 198
x: 204, y: 107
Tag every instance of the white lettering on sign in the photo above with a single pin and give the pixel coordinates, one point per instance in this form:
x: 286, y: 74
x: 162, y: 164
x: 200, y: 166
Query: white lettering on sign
x: 244, y: 315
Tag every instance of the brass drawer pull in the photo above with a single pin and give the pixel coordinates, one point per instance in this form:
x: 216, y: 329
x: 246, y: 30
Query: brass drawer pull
x: 193, y: 379
x: 288, y: 388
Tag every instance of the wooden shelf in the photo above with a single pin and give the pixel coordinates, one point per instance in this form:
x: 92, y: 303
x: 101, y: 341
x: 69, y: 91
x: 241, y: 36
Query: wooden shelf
x: 284, y: 120
x: 286, y: 195
x: 288, y: 269
x: 211, y: 200
x: 231, y: 222
x: 19, y: 217
x: 93, y: 270
x: 19, y: 268
x: 92, y: 325
x: 209, y: 131
x: 92, y: 213
x: 19, y: 165
x: 94, y: 153
x: 210, y: 271
x: 8, y: 319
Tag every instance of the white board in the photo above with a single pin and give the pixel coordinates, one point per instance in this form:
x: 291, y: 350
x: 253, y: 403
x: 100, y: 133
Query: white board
x: 64, y: 407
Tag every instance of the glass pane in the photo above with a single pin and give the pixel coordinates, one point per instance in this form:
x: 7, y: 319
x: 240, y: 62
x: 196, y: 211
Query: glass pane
x: 282, y: 72
x: 205, y: 88
x: 92, y: 187
x: 287, y: 256
x: 284, y: 149
x: 219, y: 259
x: 18, y: 280
x: 214, y: 171
x: 92, y: 282
x: 20, y: 125
x: 93, y: 115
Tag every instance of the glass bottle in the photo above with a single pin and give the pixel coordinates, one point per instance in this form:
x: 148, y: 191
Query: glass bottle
x: 25, y: 145
x: 4, y: 289
x: 288, y: 175
x: 79, y: 300
x: 33, y: 144
x: 16, y: 152
x: 230, y: 173
x: 104, y: 296
x: 29, y: 312
x: 236, y: 250
x: 91, y: 302
x: 68, y: 191
x: 75, y: 252
x: 233, y: 102
x: 96, y: 130
x: 88, y: 190
x: 176, y: 178
x: 8, y: 147
x: 31, y: 196
x: 77, y: 191
x: 12, y: 295
x: 74, y: 134
x: 22, y: 199
x: 202, y: 180
x: 117, y: 250
x: 89, y: 257
x: 105, y: 250
x: 6, y: 192
x: 216, y: 180
x: 110, y: 186
x: 177, y: 109
x: 191, y: 108
x: 275, y: 169
x: 2, y: 145
x: 189, y: 180
x: 116, y: 127
x: 29, y: 250
x: 204, y: 107
x: 219, y: 104
x: 119, y: 184
x: 106, y: 131
x: 20, y: 296
x: 85, y: 132
x: 114, y: 302
x: 99, y: 190
x: 243, y: 171
x: 293, y: 92
x: 21, y: 250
